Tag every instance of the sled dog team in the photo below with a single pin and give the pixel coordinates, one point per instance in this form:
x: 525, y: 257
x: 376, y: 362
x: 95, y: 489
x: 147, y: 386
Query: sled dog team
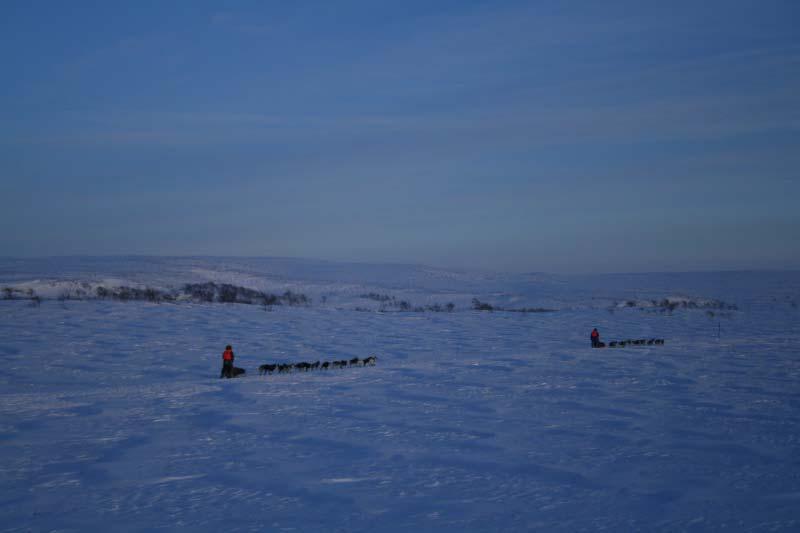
x: 230, y: 371
x: 305, y: 367
x: 595, y: 338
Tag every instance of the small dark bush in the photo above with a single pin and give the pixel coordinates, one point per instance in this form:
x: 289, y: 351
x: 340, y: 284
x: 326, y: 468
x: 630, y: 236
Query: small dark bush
x: 481, y: 306
x: 152, y: 295
x: 202, y: 292
x: 227, y: 294
x: 293, y: 298
x: 377, y: 297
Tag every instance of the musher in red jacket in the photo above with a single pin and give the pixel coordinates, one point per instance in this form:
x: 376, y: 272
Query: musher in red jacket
x: 595, y: 336
x: 227, y: 363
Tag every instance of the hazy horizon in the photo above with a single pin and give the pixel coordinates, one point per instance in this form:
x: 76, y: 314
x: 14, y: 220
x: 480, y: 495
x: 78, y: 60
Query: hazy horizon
x: 464, y: 268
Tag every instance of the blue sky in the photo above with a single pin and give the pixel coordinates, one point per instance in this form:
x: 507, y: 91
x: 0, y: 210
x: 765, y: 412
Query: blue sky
x: 522, y: 136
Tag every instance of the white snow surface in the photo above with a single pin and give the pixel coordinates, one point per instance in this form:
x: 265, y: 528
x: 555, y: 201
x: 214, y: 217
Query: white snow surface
x: 114, y: 419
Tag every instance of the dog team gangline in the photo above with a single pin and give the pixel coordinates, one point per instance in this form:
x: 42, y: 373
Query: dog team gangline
x: 229, y: 370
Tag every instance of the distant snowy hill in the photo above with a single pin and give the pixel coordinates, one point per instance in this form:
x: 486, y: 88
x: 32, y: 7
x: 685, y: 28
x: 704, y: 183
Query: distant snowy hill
x: 346, y: 284
x: 341, y: 283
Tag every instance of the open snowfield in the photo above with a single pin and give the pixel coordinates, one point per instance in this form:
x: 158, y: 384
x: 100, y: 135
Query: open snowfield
x: 114, y: 419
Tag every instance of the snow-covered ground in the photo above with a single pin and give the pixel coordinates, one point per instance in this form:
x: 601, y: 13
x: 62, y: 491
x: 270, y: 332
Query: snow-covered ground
x: 114, y: 419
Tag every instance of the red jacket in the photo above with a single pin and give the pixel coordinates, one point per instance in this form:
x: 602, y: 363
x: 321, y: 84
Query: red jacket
x: 227, y: 355
x: 595, y: 334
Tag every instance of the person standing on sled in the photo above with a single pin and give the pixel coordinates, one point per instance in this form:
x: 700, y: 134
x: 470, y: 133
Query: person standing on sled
x: 595, y: 336
x: 227, y: 363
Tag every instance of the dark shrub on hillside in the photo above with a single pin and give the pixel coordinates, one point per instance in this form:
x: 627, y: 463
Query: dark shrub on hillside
x: 669, y: 305
x: 377, y: 297
x: 405, y: 306
x: 293, y: 298
x: 202, y: 292
x: 152, y: 295
x: 227, y: 293
x: 125, y: 294
x: 481, y: 306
